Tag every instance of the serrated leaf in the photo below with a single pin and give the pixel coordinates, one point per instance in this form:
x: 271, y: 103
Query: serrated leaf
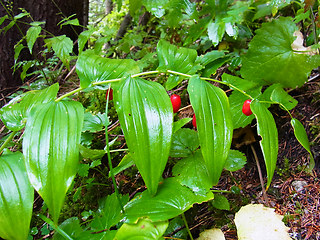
x: 302, y: 137
x: 279, y: 95
x: 271, y: 59
x: 144, y: 229
x: 220, y: 202
x: 62, y: 46
x: 216, y: 31
x: 15, y: 113
x: 173, y: 58
x: 16, y: 197
x: 109, y: 213
x: 94, y: 68
x: 214, y: 124
x: 32, y: 35
x: 192, y: 172
x: 235, y: 161
x: 146, y: 118
x: 51, y: 150
x: 93, y: 123
x: 184, y: 143
x: 171, y: 200
x: 267, y: 129
x: 156, y: 7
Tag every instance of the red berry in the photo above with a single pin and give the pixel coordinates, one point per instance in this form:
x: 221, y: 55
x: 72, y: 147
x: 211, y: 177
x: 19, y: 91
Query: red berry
x: 246, y: 107
x: 194, y: 123
x: 110, y: 94
x: 176, y: 102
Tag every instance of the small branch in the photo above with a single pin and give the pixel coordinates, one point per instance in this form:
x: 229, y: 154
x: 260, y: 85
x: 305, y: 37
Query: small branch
x: 7, y: 141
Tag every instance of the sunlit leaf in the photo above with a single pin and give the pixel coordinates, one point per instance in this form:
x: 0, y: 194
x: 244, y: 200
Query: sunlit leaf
x: 51, y: 150
x: 126, y: 162
x: 16, y: 197
x: 144, y: 229
x: 146, y: 118
x: 32, y: 35
x: 267, y: 129
x: 279, y: 95
x: 214, y: 124
x: 15, y: 113
x: 171, y: 200
x: 180, y: 123
x: 271, y: 59
x: 94, y: 68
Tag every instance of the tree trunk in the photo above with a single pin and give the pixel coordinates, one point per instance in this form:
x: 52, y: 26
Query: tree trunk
x: 109, y: 6
x: 50, y: 11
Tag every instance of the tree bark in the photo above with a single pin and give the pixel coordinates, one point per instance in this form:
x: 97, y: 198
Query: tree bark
x: 109, y: 6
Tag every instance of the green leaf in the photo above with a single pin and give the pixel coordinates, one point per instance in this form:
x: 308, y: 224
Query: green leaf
x: 156, y: 7
x: 51, y: 150
x: 144, y: 229
x: 239, y: 83
x: 267, y: 129
x: 134, y: 6
x: 192, y: 172
x: 302, y: 137
x: 16, y: 197
x: 32, y: 35
x: 146, y: 117
x: 235, y: 161
x: 2, y: 19
x: 17, y: 50
x: 180, y: 123
x: 171, y: 200
x: 126, y: 162
x: 93, y: 123
x: 214, y: 124
x: 216, y: 31
x: 184, y: 143
x: 279, y: 95
x: 62, y: 46
x: 92, y: 154
x: 14, y: 114
x: 220, y: 202
x: 84, y: 37
x: 173, y: 58
x: 109, y: 213
x: 177, y: 226
x: 94, y: 68
x: 271, y: 59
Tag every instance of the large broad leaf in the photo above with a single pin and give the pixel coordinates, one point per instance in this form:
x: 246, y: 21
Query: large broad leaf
x: 271, y: 59
x: 302, y: 137
x: 142, y: 230
x: 14, y: 114
x: 267, y: 129
x: 182, y: 60
x: 214, y: 124
x: 171, y: 200
x: 51, y: 150
x: 16, y: 197
x: 192, y: 172
x: 94, y: 68
x: 146, y: 118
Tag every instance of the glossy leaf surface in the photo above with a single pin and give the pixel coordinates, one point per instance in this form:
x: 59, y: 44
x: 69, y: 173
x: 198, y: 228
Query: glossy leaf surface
x: 214, y: 124
x: 16, y: 111
x: 302, y: 137
x: 16, y: 197
x: 267, y: 129
x: 94, y: 68
x: 144, y: 229
x: 279, y: 95
x: 184, y: 143
x: 51, y: 150
x: 171, y: 200
x: 146, y: 118
x: 192, y: 172
x: 235, y: 161
x: 271, y: 58
x: 173, y: 58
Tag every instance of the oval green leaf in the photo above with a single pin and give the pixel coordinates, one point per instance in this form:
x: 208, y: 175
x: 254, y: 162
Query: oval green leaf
x: 51, y: 150
x: 302, y: 137
x: 267, y: 129
x: 146, y: 118
x: 214, y: 123
x: 94, y: 68
x: 16, y: 197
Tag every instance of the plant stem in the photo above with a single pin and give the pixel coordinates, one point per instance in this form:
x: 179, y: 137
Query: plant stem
x: 109, y: 157
x: 69, y: 94
x: 7, y: 141
x: 221, y: 191
x: 145, y: 73
x: 55, y: 227
x: 187, y: 226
